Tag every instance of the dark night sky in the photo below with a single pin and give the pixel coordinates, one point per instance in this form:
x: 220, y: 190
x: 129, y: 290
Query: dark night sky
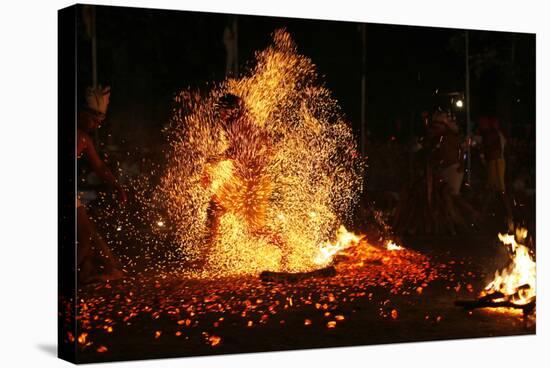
x: 148, y: 55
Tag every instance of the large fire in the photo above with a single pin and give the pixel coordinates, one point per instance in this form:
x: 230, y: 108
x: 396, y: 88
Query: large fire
x: 517, y: 282
x: 307, y: 185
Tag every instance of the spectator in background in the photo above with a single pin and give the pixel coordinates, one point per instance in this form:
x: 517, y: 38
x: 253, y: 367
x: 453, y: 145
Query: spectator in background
x: 431, y: 203
x: 492, y: 156
x: 493, y: 142
x: 446, y: 147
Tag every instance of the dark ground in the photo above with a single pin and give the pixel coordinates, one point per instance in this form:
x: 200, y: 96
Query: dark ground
x: 388, y: 298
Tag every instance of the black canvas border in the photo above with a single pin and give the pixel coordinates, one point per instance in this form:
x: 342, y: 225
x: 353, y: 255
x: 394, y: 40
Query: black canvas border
x: 66, y: 176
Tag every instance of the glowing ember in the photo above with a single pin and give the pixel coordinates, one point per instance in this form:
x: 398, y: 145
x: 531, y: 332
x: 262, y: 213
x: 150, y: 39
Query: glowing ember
x: 186, y: 308
x: 280, y: 212
x: 517, y: 281
x: 102, y: 349
x: 82, y: 338
x: 214, y: 340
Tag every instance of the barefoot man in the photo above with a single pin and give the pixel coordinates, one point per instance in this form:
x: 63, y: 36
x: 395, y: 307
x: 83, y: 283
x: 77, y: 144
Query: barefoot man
x: 95, y: 260
x: 238, y: 177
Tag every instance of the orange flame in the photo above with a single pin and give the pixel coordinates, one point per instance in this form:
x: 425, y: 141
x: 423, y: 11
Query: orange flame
x: 344, y: 239
x: 391, y: 245
x: 517, y: 281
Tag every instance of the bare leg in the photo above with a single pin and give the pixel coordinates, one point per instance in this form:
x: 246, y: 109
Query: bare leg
x: 84, y: 249
x: 214, y: 213
x: 107, y: 260
x: 92, y: 249
x: 283, y: 246
x: 275, y: 239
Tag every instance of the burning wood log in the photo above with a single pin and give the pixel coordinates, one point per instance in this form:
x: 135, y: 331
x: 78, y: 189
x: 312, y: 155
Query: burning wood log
x: 514, y: 286
x: 495, y: 303
x: 498, y: 299
x: 269, y: 276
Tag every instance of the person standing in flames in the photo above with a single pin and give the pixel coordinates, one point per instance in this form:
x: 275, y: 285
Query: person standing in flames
x: 238, y: 177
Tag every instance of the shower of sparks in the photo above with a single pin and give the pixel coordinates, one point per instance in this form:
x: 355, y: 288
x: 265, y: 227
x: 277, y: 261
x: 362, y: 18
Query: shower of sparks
x: 302, y: 189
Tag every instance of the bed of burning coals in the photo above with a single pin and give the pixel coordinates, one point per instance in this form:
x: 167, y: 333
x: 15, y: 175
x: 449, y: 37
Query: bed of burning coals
x: 376, y: 293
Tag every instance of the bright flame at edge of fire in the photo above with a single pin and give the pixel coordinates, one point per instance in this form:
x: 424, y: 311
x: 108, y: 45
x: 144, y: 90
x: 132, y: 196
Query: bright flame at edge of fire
x: 344, y: 239
x: 391, y: 245
x: 517, y: 281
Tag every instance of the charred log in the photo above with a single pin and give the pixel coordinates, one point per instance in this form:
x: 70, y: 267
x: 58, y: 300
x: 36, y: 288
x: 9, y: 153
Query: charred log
x: 269, y: 276
x: 494, y: 302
